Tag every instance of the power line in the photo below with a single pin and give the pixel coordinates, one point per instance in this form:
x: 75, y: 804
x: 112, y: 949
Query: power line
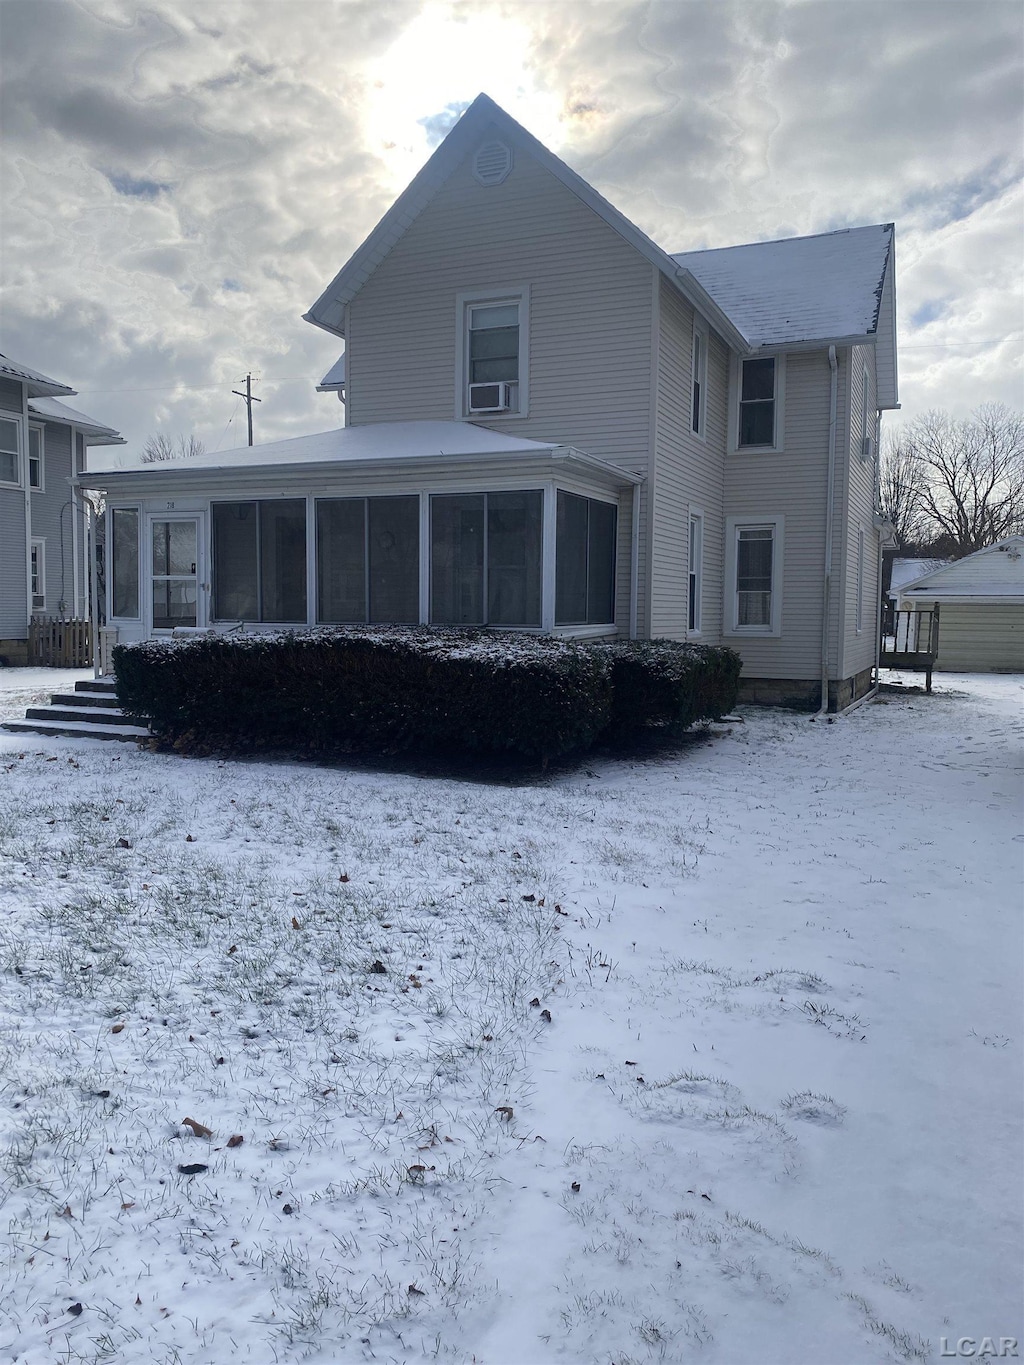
x: 193, y: 388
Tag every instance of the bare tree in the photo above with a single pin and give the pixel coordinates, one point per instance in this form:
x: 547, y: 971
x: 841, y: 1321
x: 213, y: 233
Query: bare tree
x: 159, y: 446
x: 963, y: 479
x: 900, y: 489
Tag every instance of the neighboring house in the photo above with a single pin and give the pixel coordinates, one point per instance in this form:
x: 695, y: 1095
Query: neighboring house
x: 981, y: 609
x: 553, y: 424
x: 43, y: 564
x: 906, y: 571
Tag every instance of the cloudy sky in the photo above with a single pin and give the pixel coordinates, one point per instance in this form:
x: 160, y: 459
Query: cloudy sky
x: 183, y: 177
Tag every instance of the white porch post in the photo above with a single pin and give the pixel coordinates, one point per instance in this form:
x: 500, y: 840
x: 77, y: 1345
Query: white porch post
x: 547, y: 577
x: 94, y: 592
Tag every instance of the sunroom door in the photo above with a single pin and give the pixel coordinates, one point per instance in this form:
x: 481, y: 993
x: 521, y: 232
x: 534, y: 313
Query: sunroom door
x: 176, y: 573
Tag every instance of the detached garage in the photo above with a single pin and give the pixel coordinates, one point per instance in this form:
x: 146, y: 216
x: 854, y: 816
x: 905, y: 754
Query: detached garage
x: 981, y: 609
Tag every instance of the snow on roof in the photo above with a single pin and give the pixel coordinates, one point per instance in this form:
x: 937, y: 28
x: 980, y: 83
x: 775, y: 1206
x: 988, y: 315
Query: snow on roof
x: 38, y: 384
x: 906, y: 571
x: 345, y: 445
x: 818, y: 288
x: 96, y: 433
x: 996, y: 571
x: 335, y: 376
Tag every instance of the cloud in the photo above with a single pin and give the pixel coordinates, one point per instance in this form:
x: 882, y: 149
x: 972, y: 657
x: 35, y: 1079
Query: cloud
x: 181, y: 182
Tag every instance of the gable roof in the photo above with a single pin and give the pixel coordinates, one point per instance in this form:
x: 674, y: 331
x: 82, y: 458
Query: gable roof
x: 906, y: 571
x: 482, y: 117
x: 996, y: 571
x: 334, y: 380
x: 38, y: 385
x: 825, y: 288
x: 95, y: 433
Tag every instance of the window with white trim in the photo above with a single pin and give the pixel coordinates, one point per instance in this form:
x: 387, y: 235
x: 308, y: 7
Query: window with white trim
x: 259, y: 560
x: 37, y: 565
x: 124, y: 563
x: 585, y: 530
x: 754, y: 575
x: 35, y: 459
x: 758, y: 383
x: 10, y: 450
x: 696, y: 572
x: 492, y: 361
x: 698, y: 379
x: 368, y: 560
x: 485, y: 558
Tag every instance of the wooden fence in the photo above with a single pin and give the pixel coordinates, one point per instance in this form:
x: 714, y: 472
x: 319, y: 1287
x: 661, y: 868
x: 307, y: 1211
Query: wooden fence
x: 53, y: 643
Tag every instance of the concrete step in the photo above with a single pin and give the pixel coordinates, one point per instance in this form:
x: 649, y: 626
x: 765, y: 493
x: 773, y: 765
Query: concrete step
x: 96, y: 685
x: 100, y: 715
x: 104, y: 699
x: 76, y: 730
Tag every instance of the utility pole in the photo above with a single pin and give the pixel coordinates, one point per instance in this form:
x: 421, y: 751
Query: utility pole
x: 249, y: 400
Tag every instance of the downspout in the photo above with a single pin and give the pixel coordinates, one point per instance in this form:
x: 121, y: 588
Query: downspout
x: 826, y: 592
x: 877, y: 500
x: 634, y: 565
x: 94, y: 598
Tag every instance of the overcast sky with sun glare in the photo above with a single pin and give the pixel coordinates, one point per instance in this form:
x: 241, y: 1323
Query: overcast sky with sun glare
x: 182, y: 178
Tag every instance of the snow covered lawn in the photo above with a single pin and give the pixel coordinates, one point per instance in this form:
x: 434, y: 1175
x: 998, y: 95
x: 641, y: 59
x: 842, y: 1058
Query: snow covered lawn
x: 713, y: 1056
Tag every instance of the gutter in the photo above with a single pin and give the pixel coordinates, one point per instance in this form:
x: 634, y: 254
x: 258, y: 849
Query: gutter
x: 826, y: 592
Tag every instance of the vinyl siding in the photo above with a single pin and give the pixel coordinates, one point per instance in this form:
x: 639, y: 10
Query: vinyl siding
x: 689, y: 473
x: 980, y: 637
x: 13, y: 566
x: 858, y: 649
x: 590, y: 325
x: 49, y: 525
x: 791, y: 483
x: 10, y: 395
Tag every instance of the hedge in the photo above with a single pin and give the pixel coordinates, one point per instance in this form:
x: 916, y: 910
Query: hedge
x: 400, y: 689
x: 359, y: 689
x: 668, y: 686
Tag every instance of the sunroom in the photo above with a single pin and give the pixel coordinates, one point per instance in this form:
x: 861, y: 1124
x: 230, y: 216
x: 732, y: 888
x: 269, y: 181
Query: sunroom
x: 442, y: 523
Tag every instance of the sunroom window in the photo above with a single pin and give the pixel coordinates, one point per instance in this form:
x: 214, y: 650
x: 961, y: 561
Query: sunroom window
x: 259, y: 560
x: 124, y: 586
x: 368, y: 554
x: 584, y: 561
x: 485, y: 558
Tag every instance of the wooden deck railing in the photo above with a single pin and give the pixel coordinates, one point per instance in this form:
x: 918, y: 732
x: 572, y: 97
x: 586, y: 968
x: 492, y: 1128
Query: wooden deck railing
x: 910, y: 639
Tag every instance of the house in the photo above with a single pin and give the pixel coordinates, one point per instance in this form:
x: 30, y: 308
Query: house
x: 43, y: 561
x: 981, y: 609
x: 906, y: 571
x: 553, y: 424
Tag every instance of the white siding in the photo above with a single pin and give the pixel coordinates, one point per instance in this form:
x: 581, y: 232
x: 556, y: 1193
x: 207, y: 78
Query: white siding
x: 52, y: 518
x: 689, y: 472
x: 858, y: 650
x: 791, y: 483
x: 591, y: 319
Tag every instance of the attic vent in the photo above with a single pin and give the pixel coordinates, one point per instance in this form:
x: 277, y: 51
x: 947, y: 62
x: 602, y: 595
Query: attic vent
x: 492, y: 163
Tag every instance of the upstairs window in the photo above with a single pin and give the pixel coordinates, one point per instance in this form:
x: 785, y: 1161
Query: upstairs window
x: 757, y: 402
x: 492, y: 355
x: 698, y: 380
x: 10, y: 448
x: 35, y: 458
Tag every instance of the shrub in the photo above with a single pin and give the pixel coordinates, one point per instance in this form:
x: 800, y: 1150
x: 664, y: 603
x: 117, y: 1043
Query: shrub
x: 668, y: 685
x: 362, y: 689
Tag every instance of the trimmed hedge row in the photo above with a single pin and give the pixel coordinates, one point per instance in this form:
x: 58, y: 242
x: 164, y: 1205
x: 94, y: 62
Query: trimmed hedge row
x: 396, y: 689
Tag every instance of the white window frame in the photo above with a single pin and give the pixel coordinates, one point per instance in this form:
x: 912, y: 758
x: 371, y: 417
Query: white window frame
x: 733, y: 526
x: 140, y: 568
x: 699, y: 375
x: 33, y: 430
x: 736, y: 389
x: 16, y: 482
x: 37, y: 572
x: 695, y: 570
x: 519, y: 295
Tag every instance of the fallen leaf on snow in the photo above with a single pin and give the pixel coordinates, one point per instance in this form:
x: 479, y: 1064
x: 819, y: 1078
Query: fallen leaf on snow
x: 198, y: 1129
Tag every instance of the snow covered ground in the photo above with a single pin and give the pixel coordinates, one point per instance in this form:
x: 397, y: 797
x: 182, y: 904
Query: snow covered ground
x: 774, y: 1115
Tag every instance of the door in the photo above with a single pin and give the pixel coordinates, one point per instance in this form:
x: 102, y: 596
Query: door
x: 176, y: 573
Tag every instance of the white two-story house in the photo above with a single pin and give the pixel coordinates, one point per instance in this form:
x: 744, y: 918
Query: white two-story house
x: 551, y: 423
x: 44, y: 570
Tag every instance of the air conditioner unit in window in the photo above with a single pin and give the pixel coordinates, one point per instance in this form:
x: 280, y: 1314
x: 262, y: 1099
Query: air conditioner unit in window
x: 867, y: 447
x: 490, y: 397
